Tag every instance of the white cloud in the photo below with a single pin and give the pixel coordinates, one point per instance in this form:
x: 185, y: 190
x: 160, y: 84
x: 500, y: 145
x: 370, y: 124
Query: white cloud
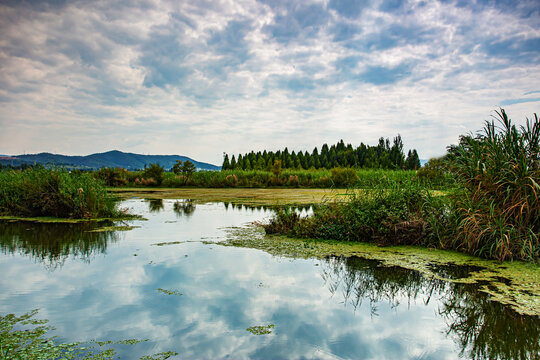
x: 202, y: 78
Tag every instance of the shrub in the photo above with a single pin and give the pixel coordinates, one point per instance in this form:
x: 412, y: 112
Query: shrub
x: 344, y: 176
x: 112, y: 176
x: 155, y: 173
x: 384, y: 216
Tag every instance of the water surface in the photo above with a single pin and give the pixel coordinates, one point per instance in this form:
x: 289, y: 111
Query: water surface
x: 168, y: 282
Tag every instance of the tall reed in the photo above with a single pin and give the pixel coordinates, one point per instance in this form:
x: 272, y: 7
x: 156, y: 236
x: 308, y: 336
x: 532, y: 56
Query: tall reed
x: 57, y: 193
x: 499, y: 173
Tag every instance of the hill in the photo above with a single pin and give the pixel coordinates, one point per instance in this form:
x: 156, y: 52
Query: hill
x: 113, y: 158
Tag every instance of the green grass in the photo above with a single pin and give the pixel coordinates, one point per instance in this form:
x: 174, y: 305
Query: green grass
x: 41, y: 192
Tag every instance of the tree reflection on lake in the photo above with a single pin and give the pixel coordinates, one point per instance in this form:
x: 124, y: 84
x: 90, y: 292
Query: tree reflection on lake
x: 155, y: 205
x: 483, y: 329
x: 184, y: 207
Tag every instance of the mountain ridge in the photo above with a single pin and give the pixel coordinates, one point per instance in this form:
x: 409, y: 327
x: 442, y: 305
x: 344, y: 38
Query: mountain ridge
x: 112, y: 158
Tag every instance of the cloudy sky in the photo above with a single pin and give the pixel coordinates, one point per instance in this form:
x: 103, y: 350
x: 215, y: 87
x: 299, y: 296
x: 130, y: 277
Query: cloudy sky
x: 198, y: 78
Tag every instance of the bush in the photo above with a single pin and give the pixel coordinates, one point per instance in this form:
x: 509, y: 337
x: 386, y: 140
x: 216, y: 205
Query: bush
x: 436, y: 173
x: 384, y: 216
x: 344, y: 176
x: 112, y: 176
x: 154, y: 172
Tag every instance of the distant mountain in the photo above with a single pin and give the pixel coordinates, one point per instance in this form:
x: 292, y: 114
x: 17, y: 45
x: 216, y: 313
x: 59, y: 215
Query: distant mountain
x: 113, y: 158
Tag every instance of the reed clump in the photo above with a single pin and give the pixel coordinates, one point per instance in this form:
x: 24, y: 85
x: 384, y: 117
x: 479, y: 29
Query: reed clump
x: 57, y: 193
x: 498, y: 171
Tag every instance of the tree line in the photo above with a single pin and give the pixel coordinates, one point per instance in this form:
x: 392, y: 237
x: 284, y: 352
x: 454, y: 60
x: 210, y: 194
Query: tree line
x: 381, y: 156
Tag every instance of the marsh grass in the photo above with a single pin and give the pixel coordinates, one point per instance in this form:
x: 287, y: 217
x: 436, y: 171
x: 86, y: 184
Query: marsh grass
x: 289, y: 178
x: 57, y: 193
x: 497, y: 204
x: 382, y: 215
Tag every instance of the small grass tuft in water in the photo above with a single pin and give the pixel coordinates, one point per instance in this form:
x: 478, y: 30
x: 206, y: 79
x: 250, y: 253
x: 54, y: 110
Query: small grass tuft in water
x: 169, y: 292
x: 160, y: 356
x: 167, y: 243
x: 260, y: 330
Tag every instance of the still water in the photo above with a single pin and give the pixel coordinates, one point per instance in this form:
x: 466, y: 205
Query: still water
x: 168, y: 282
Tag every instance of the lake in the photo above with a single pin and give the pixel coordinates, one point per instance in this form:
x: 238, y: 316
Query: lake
x: 170, y: 281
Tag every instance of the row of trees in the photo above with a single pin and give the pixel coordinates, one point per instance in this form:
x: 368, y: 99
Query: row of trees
x: 382, y: 156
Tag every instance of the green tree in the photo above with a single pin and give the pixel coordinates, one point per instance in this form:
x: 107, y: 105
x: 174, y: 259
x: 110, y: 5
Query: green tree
x: 226, y: 165
x: 188, y: 169
x: 154, y: 171
x: 396, y: 153
x: 413, y: 161
x: 276, y: 168
x: 177, y: 167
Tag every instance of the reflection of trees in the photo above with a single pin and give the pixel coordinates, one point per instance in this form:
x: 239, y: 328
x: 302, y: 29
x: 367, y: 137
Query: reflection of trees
x: 52, y: 244
x: 185, y: 207
x: 487, y: 329
x: 298, y: 208
x: 155, y: 205
x: 483, y: 329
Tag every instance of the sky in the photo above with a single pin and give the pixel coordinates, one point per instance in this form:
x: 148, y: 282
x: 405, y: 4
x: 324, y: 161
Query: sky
x: 199, y: 78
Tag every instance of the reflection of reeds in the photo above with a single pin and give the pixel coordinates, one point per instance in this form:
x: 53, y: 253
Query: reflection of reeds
x: 482, y: 328
x: 498, y: 207
x: 52, y: 244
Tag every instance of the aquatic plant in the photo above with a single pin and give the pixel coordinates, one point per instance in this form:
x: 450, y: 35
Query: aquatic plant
x: 289, y: 178
x: 51, y: 192
x: 24, y: 337
x: 260, y: 330
x: 497, y: 202
x: 169, y: 292
x: 382, y: 215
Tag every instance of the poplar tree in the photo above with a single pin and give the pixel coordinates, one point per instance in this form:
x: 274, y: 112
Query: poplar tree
x: 226, y: 163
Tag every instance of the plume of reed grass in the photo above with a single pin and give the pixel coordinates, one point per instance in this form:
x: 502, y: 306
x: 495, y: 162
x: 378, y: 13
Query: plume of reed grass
x: 499, y: 173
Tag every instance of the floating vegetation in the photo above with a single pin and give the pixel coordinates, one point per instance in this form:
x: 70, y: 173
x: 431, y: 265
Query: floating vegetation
x: 260, y: 330
x: 123, y: 342
x: 169, y: 292
x: 160, y: 356
x: 22, y: 337
x: 167, y: 243
x: 114, y: 228
x: 516, y: 284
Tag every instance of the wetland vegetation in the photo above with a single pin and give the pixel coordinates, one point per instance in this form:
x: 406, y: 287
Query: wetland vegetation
x: 493, y: 211
x: 38, y: 192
